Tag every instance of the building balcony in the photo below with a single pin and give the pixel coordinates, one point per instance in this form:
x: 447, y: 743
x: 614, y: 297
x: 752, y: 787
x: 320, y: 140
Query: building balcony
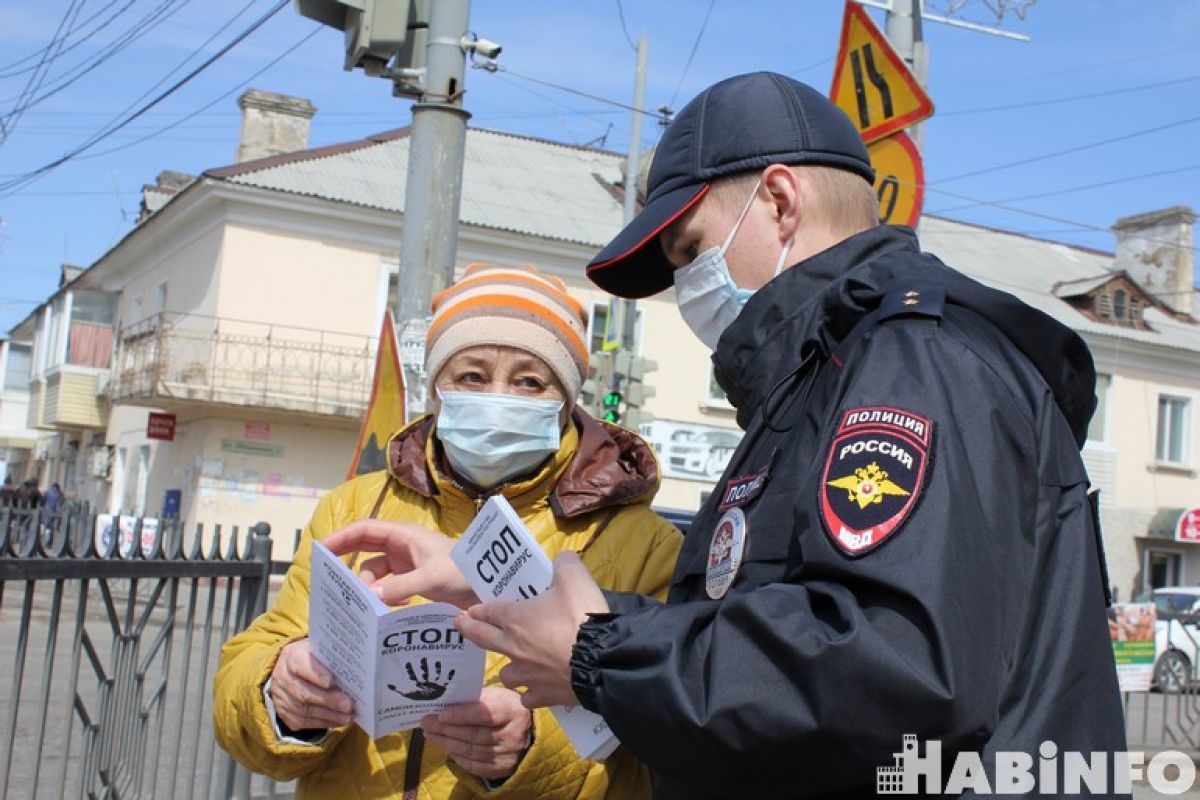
x: 174, y: 361
x: 68, y: 398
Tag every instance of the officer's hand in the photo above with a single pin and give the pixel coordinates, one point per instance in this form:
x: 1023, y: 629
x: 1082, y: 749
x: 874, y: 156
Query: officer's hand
x: 487, y: 738
x: 538, y: 634
x: 415, y: 561
x: 304, y: 692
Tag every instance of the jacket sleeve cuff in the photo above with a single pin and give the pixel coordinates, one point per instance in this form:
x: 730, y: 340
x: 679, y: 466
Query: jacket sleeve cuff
x: 283, y: 733
x: 585, y: 657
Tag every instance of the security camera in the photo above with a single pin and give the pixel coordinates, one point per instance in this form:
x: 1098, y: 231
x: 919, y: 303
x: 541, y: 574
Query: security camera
x: 484, y: 47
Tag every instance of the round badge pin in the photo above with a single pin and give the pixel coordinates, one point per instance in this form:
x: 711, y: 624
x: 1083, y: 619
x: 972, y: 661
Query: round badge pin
x: 725, y: 553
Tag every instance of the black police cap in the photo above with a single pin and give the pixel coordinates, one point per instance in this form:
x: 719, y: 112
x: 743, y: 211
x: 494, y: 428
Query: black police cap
x: 743, y: 123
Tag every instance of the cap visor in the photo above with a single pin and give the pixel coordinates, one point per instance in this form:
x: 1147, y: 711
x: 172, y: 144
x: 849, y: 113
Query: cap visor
x: 633, y: 265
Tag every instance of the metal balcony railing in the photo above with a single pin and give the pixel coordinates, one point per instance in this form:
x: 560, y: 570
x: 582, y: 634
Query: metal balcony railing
x: 187, y: 357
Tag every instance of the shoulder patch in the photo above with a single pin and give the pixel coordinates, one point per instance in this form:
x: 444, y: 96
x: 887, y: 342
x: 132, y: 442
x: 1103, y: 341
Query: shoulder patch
x: 916, y: 300
x: 875, y: 470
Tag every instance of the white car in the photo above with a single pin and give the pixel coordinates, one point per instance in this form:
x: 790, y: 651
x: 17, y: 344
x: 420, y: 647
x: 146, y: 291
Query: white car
x: 705, y: 453
x: 1176, y: 636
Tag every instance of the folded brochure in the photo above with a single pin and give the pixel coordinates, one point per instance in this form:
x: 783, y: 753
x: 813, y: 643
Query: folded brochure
x: 397, y: 665
x: 503, y: 561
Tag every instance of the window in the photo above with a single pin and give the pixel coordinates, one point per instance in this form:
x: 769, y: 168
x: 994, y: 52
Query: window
x: 17, y: 371
x: 1174, y: 423
x: 1161, y: 568
x: 138, y: 313
x: 715, y: 396
x: 160, y: 298
x: 1098, y: 427
x: 1119, y: 305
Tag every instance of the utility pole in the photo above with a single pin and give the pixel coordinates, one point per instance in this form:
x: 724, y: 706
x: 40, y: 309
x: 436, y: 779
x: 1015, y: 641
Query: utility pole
x: 903, y: 30
x: 629, y: 307
x: 421, y: 47
x: 433, y: 188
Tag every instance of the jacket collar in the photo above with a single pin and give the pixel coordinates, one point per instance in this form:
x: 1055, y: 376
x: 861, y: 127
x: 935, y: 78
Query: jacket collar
x: 597, y: 466
x: 815, y: 303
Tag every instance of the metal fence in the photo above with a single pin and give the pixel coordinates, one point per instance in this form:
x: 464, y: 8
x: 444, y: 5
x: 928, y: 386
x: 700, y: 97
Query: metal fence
x: 1169, y: 716
x: 119, y: 704
x: 113, y: 634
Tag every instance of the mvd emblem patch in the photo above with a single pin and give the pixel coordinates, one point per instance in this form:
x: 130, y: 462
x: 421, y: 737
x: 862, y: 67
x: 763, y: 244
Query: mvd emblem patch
x: 873, y: 475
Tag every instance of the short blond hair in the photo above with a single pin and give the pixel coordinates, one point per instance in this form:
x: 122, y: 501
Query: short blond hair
x: 846, y: 203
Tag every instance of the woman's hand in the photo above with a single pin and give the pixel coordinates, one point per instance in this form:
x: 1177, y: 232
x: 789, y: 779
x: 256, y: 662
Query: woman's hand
x: 305, y: 693
x: 487, y: 738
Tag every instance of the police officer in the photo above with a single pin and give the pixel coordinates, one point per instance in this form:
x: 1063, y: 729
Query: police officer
x: 902, y: 544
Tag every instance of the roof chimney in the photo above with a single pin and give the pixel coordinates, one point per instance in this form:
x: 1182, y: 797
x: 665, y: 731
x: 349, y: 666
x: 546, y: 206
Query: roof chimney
x: 1155, y: 248
x: 272, y: 124
x: 154, y: 196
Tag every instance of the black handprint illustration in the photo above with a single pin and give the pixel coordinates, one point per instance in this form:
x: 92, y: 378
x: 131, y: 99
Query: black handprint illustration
x: 428, y: 687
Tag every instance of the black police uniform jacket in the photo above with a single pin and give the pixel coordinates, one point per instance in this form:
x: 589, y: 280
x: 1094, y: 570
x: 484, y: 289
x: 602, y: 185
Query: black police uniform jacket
x: 919, y: 552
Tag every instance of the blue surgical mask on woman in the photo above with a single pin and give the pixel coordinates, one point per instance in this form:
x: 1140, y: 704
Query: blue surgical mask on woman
x: 491, y: 437
x: 708, y: 298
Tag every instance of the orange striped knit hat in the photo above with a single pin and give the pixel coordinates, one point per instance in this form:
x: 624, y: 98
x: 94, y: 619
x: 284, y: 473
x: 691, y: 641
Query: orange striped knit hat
x: 516, y: 307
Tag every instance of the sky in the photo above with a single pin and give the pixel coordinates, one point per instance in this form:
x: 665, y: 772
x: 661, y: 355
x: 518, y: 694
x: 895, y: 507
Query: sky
x: 1095, y: 118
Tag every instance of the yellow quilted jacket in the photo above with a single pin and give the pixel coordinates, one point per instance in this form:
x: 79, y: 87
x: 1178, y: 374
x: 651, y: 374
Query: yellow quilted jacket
x: 593, y: 497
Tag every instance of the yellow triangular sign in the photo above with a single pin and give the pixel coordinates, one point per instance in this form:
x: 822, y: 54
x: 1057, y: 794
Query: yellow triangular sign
x: 385, y: 411
x: 871, y: 83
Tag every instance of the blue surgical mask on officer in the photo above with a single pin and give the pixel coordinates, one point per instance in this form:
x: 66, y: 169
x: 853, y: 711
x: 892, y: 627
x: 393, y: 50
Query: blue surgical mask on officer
x: 709, y: 300
x: 491, y: 437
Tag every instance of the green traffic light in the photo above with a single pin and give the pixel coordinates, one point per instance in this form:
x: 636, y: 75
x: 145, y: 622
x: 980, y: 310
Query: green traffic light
x: 612, y: 416
x: 612, y: 400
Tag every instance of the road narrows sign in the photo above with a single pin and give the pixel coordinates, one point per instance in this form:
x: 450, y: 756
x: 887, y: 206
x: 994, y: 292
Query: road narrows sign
x: 871, y: 83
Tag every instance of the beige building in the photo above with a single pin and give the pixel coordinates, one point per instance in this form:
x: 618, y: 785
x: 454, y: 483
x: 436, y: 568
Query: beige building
x: 246, y: 303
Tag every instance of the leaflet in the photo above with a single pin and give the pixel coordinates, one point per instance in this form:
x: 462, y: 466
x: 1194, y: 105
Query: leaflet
x: 502, y: 560
x: 397, y: 666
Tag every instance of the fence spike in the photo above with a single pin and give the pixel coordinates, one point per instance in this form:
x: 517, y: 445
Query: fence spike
x: 214, y: 547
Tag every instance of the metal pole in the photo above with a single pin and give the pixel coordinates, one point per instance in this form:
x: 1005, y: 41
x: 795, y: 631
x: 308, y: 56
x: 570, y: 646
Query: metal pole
x: 903, y: 30
x: 629, y: 307
x: 433, y: 189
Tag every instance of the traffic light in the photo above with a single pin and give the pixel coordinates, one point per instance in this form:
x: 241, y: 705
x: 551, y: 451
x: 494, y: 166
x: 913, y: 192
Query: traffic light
x: 597, y: 383
x: 375, y: 30
x: 631, y: 375
x: 612, y: 406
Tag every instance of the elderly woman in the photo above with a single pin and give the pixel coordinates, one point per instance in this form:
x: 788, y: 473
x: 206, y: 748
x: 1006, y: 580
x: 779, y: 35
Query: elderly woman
x: 506, y: 351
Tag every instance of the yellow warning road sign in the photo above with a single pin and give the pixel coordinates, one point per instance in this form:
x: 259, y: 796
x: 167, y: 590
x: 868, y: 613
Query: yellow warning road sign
x: 385, y: 411
x: 871, y: 83
x: 899, y: 179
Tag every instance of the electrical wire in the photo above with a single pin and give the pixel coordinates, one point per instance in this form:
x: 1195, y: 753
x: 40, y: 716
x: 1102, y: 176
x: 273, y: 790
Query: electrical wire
x: 624, y: 27
x: 9, y: 121
x: 814, y: 65
x: 1086, y: 187
x: 1067, y: 151
x: 1069, y: 99
x: 212, y: 102
x: 493, y: 67
x: 1038, y: 215
x: 195, y: 52
x: 8, y: 187
x: 139, y: 29
x: 10, y: 70
x: 692, y: 55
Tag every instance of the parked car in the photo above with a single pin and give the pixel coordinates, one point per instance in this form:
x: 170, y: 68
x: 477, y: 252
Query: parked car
x: 1176, y: 636
x: 706, y: 453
